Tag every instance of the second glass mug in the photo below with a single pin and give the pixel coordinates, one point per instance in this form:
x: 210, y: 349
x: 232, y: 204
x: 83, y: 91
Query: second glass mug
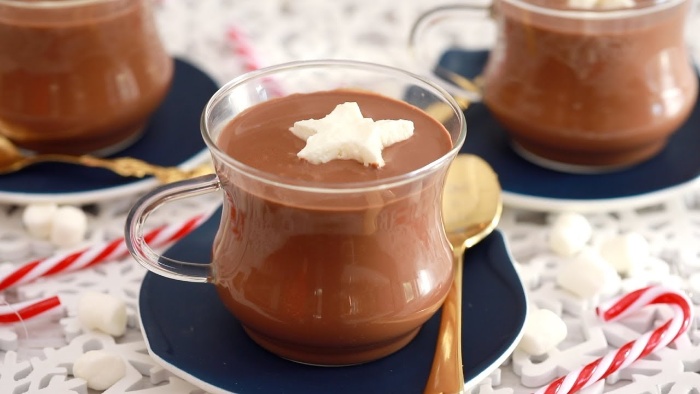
x: 320, y: 273
x: 79, y: 76
x: 577, y: 90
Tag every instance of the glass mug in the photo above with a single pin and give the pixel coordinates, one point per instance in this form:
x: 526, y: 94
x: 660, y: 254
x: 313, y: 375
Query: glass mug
x: 577, y: 90
x: 324, y: 273
x: 79, y: 76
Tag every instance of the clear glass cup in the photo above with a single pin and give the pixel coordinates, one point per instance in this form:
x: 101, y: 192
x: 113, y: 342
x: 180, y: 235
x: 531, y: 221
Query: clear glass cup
x: 320, y: 272
x: 79, y: 76
x: 578, y: 90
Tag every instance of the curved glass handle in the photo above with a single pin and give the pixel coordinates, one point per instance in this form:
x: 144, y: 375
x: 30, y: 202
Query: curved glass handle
x: 464, y: 89
x: 134, y: 229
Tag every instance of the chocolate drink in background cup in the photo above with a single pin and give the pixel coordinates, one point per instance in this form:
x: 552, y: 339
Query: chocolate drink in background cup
x: 79, y: 76
x: 582, y: 85
x: 331, y: 248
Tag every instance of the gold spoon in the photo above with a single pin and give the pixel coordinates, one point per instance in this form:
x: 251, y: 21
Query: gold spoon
x: 12, y: 160
x: 471, y: 209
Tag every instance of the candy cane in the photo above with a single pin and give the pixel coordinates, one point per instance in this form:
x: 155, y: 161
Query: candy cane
x: 633, y: 350
x: 26, y: 310
x: 245, y: 51
x: 243, y: 48
x: 114, y: 249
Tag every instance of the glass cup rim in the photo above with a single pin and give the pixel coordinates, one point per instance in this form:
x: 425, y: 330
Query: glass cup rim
x: 595, y: 14
x: 335, y: 188
x: 52, y: 4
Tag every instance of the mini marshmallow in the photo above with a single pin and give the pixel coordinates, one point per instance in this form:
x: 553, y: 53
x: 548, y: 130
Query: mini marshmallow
x: 543, y: 331
x: 588, y: 275
x: 346, y: 134
x: 37, y: 219
x: 625, y: 252
x: 569, y: 233
x: 103, y: 312
x: 99, y: 369
x: 68, y: 226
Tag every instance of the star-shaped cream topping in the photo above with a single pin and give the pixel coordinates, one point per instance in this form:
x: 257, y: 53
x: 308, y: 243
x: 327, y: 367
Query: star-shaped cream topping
x: 346, y: 134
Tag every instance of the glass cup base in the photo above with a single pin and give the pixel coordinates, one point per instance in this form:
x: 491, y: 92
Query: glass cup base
x: 331, y: 357
x: 576, y: 168
x: 101, y: 151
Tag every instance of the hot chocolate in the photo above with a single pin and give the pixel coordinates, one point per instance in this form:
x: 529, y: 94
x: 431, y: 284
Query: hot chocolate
x: 323, y: 278
x: 78, y: 77
x: 334, y: 263
x: 602, y: 91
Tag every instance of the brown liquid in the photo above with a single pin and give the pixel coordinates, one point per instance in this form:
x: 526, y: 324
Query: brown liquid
x: 322, y: 278
x: 591, y: 93
x: 79, y: 79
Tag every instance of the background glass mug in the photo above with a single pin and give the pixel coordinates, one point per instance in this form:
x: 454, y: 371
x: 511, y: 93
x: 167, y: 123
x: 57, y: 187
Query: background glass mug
x: 577, y: 89
x: 79, y: 76
x: 327, y: 273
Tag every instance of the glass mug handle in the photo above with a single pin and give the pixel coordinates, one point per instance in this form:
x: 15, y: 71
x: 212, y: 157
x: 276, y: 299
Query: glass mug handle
x: 464, y: 89
x: 147, y: 204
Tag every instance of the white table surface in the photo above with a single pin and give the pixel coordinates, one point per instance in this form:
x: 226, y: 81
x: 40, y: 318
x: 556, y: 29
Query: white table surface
x: 33, y: 357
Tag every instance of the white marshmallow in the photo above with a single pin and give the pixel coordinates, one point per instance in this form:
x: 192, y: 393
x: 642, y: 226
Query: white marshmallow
x: 99, y: 369
x: 588, y: 275
x: 37, y: 219
x: 68, y: 227
x: 569, y: 233
x: 543, y: 331
x: 346, y: 134
x: 103, y: 312
x: 625, y: 252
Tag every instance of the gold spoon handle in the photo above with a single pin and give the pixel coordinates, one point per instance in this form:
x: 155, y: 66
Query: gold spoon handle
x: 446, y: 375
x: 128, y: 167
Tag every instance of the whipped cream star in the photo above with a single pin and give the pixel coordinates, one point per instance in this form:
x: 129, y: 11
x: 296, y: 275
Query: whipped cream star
x: 346, y: 134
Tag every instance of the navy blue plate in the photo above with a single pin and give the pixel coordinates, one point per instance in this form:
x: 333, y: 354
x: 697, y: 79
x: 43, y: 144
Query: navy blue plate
x: 530, y: 186
x: 171, y: 138
x: 190, y: 332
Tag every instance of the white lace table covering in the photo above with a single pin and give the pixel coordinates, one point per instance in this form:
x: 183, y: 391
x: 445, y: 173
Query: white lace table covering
x: 36, y: 357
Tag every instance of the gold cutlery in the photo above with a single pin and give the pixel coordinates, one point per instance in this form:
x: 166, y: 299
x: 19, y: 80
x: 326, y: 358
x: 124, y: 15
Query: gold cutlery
x: 471, y: 207
x: 12, y: 160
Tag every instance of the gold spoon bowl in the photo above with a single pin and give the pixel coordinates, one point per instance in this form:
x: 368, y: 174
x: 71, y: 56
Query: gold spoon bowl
x: 13, y: 160
x: 471, y: 208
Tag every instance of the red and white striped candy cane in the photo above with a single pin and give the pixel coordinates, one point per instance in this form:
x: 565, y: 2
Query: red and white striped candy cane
x: 243, y: 48
x: 26, y: 310
x: 245, y: 51
x: 111, y: 250
x: 633, y: 350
